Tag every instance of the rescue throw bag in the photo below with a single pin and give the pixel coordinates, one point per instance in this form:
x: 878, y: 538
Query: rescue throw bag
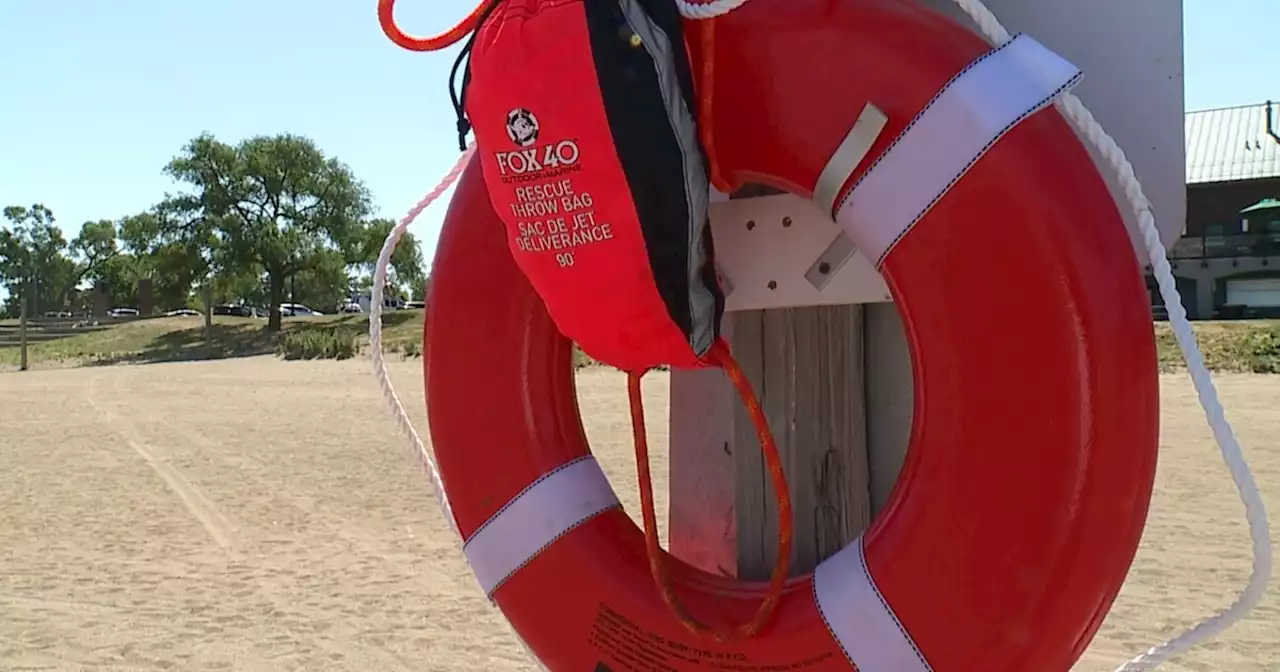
x: 584, y: 117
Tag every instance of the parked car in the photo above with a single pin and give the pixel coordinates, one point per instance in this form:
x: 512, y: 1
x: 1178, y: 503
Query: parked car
x: 123, y: 312
x: 182, y: 312
x: 350, y: 307
x: 298, y: 310
x: 233, y: 310
x: 415, y: 305
x: 388, y: 303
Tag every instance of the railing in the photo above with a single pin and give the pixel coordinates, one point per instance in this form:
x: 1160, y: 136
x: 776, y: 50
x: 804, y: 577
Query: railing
x: 1226, y: 247
x: 44, y: 329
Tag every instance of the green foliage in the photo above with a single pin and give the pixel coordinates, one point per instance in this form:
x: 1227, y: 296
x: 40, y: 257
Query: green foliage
x: 324, y: 286
x: 119, y: 277
x: 418, y: 290
x: 260, y: 222
x: 276, y: 205
x: 316, y: 344
x: 407, y: 273
x: 1229, y: 347
x: 39, y: 264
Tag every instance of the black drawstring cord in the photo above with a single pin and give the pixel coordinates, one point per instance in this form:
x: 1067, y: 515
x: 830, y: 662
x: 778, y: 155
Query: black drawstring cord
x: 459, y: 99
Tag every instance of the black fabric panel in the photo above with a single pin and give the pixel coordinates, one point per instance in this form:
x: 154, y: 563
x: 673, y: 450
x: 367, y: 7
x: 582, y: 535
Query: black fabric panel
x: 646, y: 145
x: 666, y: 14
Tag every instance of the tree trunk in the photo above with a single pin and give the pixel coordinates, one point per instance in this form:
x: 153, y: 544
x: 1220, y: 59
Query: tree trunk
x: 275, y: 295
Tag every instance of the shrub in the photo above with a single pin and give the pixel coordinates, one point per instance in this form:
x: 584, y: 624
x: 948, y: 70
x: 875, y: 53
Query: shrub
x: 316, y: 344
x: 1228, y: 347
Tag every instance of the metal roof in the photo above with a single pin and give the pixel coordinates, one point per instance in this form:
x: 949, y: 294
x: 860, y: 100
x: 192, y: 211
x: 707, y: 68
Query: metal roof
x: 1231, y: 144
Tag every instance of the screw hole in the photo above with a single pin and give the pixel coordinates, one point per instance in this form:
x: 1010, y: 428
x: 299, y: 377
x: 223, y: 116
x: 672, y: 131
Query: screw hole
x: 773, y: 284
x: 824, y: 268
x: 751, y: 224
x: 786, y: 222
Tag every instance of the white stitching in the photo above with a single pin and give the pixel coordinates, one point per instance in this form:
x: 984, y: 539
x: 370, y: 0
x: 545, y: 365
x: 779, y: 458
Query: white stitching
x: 814, y: 583
x: 889, y: 610
x: 916, y: 120
x: 1039, y: 107
x: 553, y: 540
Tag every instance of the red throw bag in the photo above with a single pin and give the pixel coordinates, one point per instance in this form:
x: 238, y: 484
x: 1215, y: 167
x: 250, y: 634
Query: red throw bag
x: 583, y: 113
x: 584, y: 116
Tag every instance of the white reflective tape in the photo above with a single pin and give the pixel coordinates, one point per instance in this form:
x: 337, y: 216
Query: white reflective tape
x: 963, y: 121
x: 548, y: 509
x: 848, y: 156
x: 858, y: 617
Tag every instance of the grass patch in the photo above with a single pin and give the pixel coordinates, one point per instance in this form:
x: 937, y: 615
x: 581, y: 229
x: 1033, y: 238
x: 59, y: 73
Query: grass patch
x: 1251, y: 346
x: 1236, y: 347
x: 173, y: 339
x: 316, y: 344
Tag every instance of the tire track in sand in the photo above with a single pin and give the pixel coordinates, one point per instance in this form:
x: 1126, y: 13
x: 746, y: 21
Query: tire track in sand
x: 366, y: 656
x: 214, y: 521
x: 254, y: 470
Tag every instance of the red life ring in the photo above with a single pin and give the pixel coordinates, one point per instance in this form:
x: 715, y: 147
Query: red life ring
x: 1033, y: 448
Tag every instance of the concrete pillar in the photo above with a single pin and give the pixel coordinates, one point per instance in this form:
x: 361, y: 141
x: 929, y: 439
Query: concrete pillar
x: 1204, y: 298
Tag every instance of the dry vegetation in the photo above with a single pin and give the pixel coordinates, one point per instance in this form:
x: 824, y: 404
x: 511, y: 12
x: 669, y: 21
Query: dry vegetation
x: 1236, y: 347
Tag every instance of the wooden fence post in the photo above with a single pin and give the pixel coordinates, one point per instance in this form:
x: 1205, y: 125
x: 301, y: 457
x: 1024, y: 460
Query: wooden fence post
x: 22, y: 333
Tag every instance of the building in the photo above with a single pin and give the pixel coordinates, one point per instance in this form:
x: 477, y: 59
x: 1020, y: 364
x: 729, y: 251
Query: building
x: 1227, y: 263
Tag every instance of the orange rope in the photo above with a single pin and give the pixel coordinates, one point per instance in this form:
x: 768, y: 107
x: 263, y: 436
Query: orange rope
x: 387, y: 19
x: 657, y: 556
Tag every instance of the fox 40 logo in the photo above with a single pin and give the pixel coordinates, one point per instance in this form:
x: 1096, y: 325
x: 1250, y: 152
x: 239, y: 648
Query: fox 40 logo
x: 531, y: 158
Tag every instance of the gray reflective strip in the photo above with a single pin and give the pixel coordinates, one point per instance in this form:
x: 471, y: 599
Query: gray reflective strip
x: 702, y: 303
x: 848, y: 155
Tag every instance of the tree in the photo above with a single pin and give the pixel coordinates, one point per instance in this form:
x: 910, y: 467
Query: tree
x: 419, y: 289
x: 277, y: 204
x: 95, y: 246
x: 93, y: 251
x: 34, y: 265
x: 407, y: 270
x: 324, y: 286
x: 38, y: 263
x: 118, y: 279
x: 173, y: 245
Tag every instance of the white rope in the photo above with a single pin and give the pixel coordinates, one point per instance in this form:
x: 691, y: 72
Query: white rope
x: 699, y: 11
x: 1071, y: 107
x: 1255, y: 511
x: 380, y: 364
x: 375, y: 335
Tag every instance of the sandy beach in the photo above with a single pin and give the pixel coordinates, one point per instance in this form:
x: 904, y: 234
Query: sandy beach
x: 255, y: 515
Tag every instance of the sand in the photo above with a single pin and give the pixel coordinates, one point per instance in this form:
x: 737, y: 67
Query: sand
x: 259, y: 515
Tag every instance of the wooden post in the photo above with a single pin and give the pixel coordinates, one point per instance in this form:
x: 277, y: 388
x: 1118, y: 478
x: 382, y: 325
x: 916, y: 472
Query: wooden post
x: 22, y: 332
x: 208, y: 318
x: 890, y: 394
x: 806, y: 365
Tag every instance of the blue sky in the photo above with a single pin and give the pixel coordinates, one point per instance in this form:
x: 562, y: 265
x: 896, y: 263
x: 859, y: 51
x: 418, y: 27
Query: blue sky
x: 98, y: 95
